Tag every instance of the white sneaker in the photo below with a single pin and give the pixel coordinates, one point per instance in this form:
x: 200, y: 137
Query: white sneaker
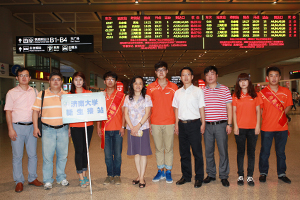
x: 240, y: 180
x: 48, y: 186
x: 64, y: 182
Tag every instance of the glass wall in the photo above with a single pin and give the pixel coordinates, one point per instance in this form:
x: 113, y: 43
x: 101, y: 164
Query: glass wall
x: 37, y: 62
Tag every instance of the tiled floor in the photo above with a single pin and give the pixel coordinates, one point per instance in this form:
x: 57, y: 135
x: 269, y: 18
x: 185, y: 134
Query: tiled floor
x: 272, y: 189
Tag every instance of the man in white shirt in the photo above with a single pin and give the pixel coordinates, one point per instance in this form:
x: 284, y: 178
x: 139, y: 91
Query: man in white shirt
x: 189, y: 105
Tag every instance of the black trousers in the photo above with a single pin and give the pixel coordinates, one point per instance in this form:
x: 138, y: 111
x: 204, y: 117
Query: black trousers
x: 240, y: 139
x: 190, y: 136
x: 78, y: 137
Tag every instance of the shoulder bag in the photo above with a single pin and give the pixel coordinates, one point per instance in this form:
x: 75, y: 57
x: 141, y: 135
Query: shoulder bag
x: 40, y: 125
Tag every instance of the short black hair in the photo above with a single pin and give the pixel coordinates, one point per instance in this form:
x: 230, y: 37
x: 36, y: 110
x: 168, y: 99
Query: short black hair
x: 56, y: 74
x: 161, y: 64
x: 21, y: 69
x: 276, y: 69
x: 188, y: 68
x: 210, y: 68
x: 110, y: 74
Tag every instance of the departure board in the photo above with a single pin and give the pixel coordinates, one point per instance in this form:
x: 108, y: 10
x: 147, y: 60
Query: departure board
x: 196, y: 32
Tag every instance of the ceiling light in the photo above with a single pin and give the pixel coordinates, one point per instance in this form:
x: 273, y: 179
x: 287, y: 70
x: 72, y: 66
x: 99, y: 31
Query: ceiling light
x: 246, y: 51
x: 136, y: 1
x: 124, y: 74
x: 275, y: 1
x: 205, y: 51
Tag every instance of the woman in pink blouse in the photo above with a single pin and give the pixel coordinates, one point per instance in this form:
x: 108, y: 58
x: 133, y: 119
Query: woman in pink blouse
x: 137, y: 111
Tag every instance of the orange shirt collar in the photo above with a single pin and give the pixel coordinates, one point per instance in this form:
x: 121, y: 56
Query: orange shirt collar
x: 112, y: 94
x: 60, y: 92
x: 83, y: 91
x: 156, y: 82
x: 279, y: 88
x: 244, y: 95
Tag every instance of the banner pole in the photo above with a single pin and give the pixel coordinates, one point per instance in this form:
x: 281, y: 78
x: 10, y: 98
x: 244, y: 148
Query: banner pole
x: 88, y: 157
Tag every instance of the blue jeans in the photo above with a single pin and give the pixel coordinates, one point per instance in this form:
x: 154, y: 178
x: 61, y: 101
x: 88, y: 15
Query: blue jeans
x: 54, y: 140
x: 266, y: 143
x: 25, y: 135
x: 113, y: 152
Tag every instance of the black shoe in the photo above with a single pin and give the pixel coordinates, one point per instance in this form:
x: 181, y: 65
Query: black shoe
x: 198, y: 184
x: 285, y: 179
x: 240, y: 180
x: 208, y: 179
x: 182, y: 181
x: 225, y: 182
x: 262, y: 178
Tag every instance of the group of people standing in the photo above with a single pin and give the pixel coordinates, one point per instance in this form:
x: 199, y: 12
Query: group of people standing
x: 160, y: 110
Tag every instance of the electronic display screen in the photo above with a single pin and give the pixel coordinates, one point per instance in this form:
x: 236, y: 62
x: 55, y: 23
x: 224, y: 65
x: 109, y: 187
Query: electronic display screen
x: 196, y: 32
x: 54, y: 44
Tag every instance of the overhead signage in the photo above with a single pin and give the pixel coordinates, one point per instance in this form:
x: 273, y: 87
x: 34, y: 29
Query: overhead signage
x: 148, y: 80
x: 54, y: 44
x: 175, y: 79
x: 295, y: 74
x: 196, y: 32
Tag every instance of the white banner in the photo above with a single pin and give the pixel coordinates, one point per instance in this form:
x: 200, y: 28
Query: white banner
x: 83, y: 107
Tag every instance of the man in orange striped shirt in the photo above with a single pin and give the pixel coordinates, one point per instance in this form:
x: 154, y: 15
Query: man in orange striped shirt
x: 55, y: 133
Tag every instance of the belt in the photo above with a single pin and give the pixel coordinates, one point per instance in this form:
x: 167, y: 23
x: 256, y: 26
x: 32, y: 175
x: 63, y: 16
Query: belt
x: 218, y: 122
x: 25, y: 124
x: 189, y: 121
x: 55, y: 127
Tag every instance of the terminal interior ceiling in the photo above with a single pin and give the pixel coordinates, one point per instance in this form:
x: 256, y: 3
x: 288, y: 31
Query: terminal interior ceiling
x: 57, y: 17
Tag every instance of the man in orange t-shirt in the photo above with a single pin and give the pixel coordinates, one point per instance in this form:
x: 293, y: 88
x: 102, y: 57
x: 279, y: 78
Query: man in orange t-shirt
x: 112, y: 130
x: 274, y: 124
x: 162, y: 120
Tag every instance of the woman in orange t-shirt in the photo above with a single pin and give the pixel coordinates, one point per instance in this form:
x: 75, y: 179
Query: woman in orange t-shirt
x: 77, y: 131
x: 246, y: 120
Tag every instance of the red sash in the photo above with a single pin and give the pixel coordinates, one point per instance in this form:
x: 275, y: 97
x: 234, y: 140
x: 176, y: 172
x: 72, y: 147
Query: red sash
x: 111, y: 112
x: 275, y: 101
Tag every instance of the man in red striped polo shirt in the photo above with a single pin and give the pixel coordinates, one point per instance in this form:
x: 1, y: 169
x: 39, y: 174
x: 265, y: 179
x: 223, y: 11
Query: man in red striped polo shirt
x: 218, y: 117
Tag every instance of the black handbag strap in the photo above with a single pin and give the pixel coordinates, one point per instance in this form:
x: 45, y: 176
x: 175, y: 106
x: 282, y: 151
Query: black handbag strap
x: 43, y: 94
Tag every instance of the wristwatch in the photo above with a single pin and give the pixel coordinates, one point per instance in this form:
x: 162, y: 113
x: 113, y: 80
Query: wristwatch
x: 124, y: 127
x: 229, y: 125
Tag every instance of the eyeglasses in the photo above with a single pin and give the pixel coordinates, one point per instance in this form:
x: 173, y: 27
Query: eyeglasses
x: 55, y: 79
x: 161, y: 70
x: 109, y: 79
x: 23, y: 75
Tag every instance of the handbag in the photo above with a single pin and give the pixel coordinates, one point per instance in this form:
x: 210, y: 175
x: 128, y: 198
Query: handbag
x: 40, y: 125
